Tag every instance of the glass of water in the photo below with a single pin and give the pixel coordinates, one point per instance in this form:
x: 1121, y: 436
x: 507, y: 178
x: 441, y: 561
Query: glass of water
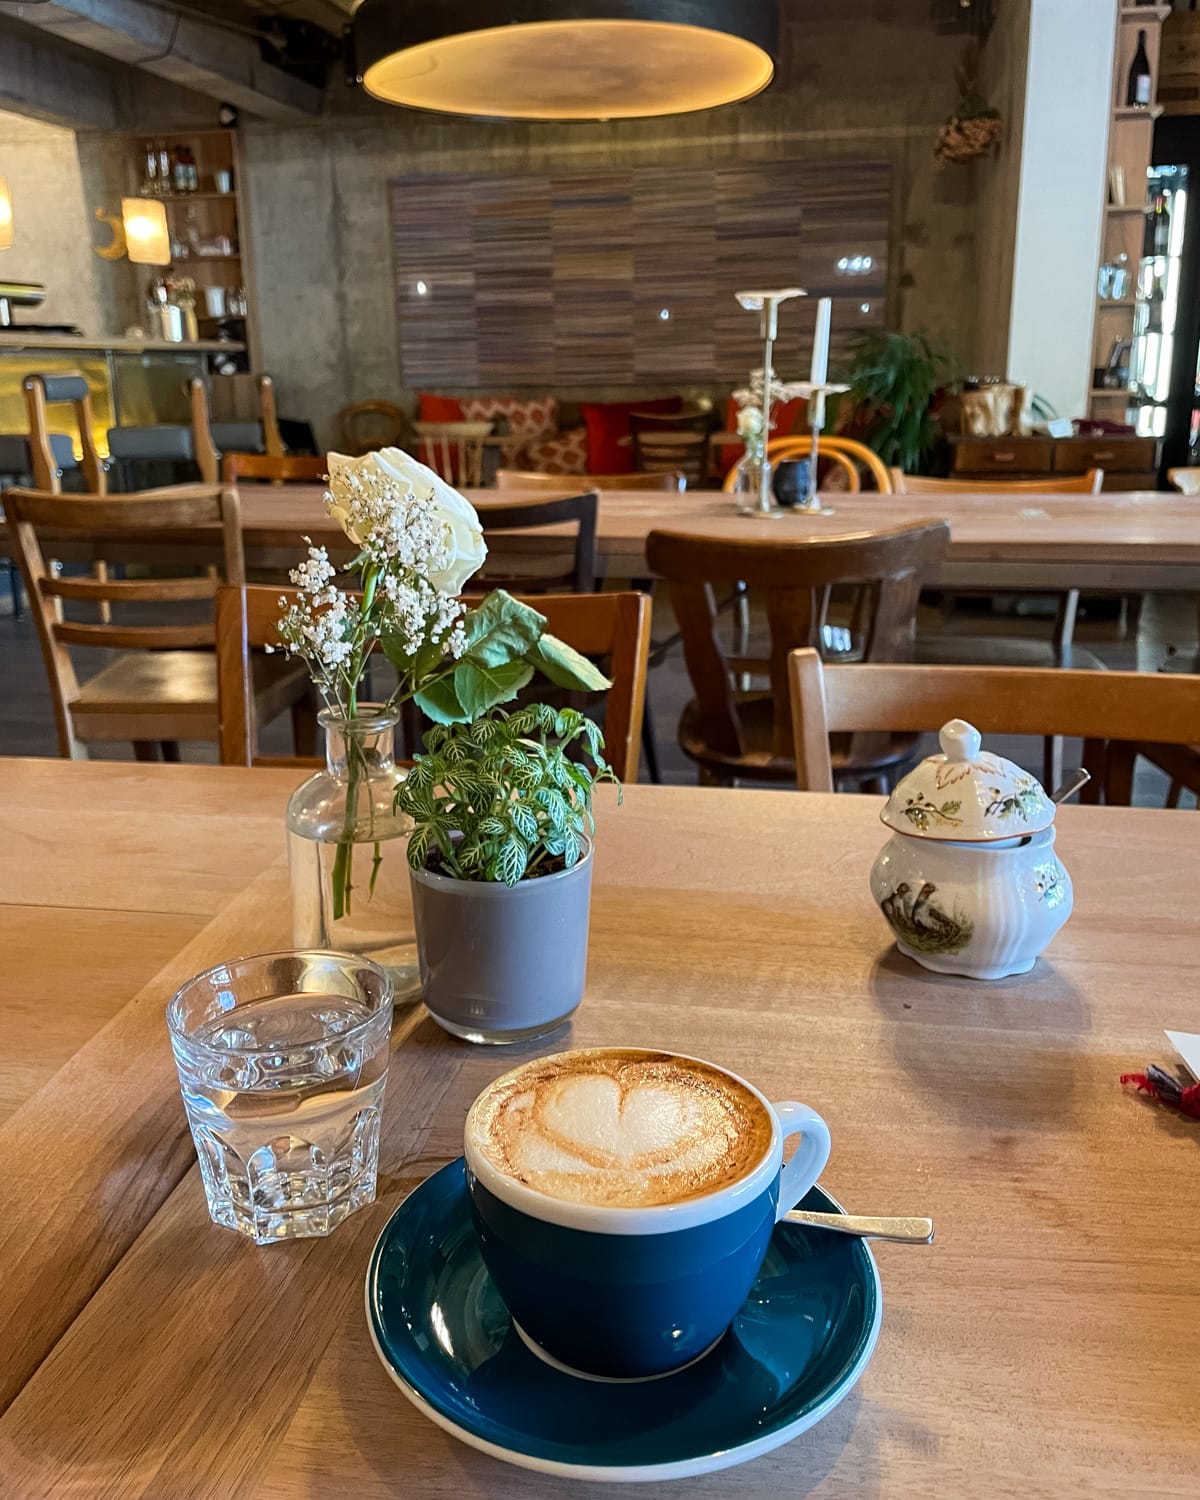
x: 283, y: 1061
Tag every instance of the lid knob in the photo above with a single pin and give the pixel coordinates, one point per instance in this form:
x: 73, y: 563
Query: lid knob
x: 960, y: 740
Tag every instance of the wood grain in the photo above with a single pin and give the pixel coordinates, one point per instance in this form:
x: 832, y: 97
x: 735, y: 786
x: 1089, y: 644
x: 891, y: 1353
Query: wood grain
x: 1018, y: 1354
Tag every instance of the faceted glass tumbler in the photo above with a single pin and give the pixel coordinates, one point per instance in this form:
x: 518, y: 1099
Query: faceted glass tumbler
x: 282, y: 1061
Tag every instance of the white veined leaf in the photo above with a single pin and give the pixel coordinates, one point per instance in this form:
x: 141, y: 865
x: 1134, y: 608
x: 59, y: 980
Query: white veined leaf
x: 524, y: 820
x: 510, y: 860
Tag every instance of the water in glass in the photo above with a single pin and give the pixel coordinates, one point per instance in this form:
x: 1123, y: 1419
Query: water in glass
x: 283, y: 1063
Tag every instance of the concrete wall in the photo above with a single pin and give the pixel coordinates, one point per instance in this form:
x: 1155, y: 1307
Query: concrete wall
x: 52, y: 225
x: 1060, y: 208
x: 868, y: 78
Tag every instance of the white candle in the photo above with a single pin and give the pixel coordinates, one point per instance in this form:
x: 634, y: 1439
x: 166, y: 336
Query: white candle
x: 820, y: 356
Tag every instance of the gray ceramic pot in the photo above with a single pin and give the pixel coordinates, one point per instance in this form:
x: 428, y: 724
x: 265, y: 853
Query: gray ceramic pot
x: 503, y: 963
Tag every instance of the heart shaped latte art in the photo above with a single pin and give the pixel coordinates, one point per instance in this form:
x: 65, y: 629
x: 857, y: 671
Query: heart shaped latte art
x: 628, y: 1125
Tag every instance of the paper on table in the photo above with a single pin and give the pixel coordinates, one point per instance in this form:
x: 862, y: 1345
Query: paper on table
x: 1188, y: 1047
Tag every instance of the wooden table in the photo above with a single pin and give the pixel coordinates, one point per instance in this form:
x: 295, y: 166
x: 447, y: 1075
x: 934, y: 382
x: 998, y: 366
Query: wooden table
x: 1132, y: 541
x: 1044, y: 1346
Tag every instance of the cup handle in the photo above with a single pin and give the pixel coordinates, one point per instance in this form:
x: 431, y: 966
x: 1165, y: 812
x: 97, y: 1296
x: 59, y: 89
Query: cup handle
x: 812, y: 1153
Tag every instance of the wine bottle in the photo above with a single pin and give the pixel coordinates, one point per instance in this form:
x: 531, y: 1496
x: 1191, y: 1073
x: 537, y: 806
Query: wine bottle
x: 1137, y: 94
x: 1162, y: 224
x: 1154, y: 305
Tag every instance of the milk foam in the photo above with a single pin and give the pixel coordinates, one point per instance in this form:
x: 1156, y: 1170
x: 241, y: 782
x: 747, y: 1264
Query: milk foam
x: 618, y: 1128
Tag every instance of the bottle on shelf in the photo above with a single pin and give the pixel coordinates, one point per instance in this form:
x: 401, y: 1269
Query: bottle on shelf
x: 179, y: 171
x: 1157, y: 237
x: 150, y: 187
x: 1154, y: 304
x: 164, y: 169
x: 1138, y: 89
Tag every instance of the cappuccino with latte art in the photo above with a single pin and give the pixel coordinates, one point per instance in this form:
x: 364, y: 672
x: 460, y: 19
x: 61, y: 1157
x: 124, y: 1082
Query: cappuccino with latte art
x: 620, y: 1128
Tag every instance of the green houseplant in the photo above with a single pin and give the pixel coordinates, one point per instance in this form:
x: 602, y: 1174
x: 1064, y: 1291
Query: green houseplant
x: 501, y: 864
x: 414, y: 544
x: 894, y: 379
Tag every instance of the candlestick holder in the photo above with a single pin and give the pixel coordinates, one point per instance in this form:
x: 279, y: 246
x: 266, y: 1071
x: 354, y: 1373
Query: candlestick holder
x: 766, y: 304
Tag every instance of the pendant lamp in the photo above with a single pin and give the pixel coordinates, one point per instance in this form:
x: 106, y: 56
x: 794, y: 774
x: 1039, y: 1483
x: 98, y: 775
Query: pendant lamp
x: 565, y: 59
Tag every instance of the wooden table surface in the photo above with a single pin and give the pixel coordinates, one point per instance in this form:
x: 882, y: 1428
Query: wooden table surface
x: 1137, y: 539
x: 1043, y: 1346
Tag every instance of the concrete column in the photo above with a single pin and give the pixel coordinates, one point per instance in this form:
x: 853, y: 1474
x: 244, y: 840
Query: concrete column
x: 1060, y: 201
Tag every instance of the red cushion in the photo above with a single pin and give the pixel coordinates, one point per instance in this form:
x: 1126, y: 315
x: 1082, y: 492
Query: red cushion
x: 439, y: 408
x: 607, y: 422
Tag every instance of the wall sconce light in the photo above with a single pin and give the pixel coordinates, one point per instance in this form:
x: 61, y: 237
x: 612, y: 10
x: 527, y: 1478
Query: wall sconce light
x: 146, y: 236
x: 6, y: 215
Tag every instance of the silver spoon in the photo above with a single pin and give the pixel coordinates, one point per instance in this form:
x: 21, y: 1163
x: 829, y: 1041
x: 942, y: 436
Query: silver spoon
x: 1072, y: 782
x: 902, y: 1231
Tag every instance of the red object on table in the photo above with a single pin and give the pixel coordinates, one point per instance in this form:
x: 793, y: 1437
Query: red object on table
x: 1188, y: 1102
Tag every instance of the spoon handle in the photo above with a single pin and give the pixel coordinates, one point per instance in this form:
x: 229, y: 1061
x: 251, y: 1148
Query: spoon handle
x: 902, y: 1231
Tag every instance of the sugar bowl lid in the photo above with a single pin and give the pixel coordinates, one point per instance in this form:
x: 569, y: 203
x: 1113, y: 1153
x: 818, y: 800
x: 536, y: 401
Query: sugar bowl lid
x: 967, y: 796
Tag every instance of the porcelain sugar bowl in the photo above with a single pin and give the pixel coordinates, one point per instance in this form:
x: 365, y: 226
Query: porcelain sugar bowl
x: 969, y: 881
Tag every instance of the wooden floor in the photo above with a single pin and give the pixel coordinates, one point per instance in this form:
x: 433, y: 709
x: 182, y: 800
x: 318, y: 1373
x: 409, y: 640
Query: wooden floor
x: 1167, y: 624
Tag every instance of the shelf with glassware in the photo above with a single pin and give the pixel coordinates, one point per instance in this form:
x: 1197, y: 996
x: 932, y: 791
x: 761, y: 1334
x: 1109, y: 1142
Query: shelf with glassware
x: 1122, y: 284
x: 194, y: 174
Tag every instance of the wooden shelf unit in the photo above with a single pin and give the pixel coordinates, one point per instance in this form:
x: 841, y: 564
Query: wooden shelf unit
x: 213, y: 214
x: 1129, y: 145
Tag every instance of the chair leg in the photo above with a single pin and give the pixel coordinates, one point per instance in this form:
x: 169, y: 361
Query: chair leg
x: 650, y: 744
x: 1174, y: 792
x: 706, y: 776
x: 1052, y: 761
x: 146, y: 749
x: 305, y: 728
x: 170, y: 751
x: 1064, y: 625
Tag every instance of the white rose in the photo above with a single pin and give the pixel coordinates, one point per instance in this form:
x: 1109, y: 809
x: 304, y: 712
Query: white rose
x: 464, y: 534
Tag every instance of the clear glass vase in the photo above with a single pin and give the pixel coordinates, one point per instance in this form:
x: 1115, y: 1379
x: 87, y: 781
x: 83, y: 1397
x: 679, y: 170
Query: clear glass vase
x: 347, y: 853
x: 752, y: 484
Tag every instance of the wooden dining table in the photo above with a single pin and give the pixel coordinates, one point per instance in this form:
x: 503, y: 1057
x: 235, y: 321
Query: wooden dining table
x: 1044, y: 1345
x: 1122, y: 541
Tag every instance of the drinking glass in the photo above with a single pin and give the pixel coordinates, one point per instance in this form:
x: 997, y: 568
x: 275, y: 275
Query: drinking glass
x: 282, y: 1061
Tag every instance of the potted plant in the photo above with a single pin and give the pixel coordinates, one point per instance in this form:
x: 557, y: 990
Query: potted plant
x: 500, y: 859
x: 894, y: 382
x: 416, y: 542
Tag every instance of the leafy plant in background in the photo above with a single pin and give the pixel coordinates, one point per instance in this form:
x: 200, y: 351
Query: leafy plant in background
x: 499, y: 799
x: 893, y: 379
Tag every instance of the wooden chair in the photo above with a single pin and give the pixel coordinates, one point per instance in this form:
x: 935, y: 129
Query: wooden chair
x: 558, y: 484
x: 40, y: 392
x: 613, y: 626
x: 237, y: 413
x: 1186, y: 480
x: 730, y: 733
x: 1090, y: 483
x: 527, y: 515
x: 800, y: 446
x: 283, y: 468
x: 797, y: 448
x: 454, y: 450
x: 1116, y: 714
x: 675, y: 442
x: 164, y: 689
x: 370, y: 425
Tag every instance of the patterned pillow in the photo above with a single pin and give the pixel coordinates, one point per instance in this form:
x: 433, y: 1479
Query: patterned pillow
x: 527, y: 422
x: 564, y: 454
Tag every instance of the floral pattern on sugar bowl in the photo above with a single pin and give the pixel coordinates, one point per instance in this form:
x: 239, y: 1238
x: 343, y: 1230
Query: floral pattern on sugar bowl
x: 969, y: 882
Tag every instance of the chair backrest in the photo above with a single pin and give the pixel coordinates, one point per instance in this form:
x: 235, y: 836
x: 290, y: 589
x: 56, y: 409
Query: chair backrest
x: 784, y: 448
x: 71, y: 389
x: 240, y: 409
x: 527, y: 515
x: 1111, y: 712
x: 370, y: 425
x: 1186, y: 480
x: 1090, y: 483
x: 676, y: 443
x: 454, y: 450
x: 33, y: 514
x: 616, y: 626
x: 795, y: 576
x: 277, y: 468
x: 563, y: 484
x: 798, y: 446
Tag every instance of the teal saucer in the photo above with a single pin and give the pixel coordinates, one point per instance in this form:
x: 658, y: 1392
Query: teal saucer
x: 799, y: 1344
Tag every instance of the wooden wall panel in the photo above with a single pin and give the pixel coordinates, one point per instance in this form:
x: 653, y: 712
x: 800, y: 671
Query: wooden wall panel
x: 505, y: 282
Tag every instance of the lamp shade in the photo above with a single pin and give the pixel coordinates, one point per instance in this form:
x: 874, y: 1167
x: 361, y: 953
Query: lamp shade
x: 146, y: 236
x: 565, y: 59
x: 6, y: 215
